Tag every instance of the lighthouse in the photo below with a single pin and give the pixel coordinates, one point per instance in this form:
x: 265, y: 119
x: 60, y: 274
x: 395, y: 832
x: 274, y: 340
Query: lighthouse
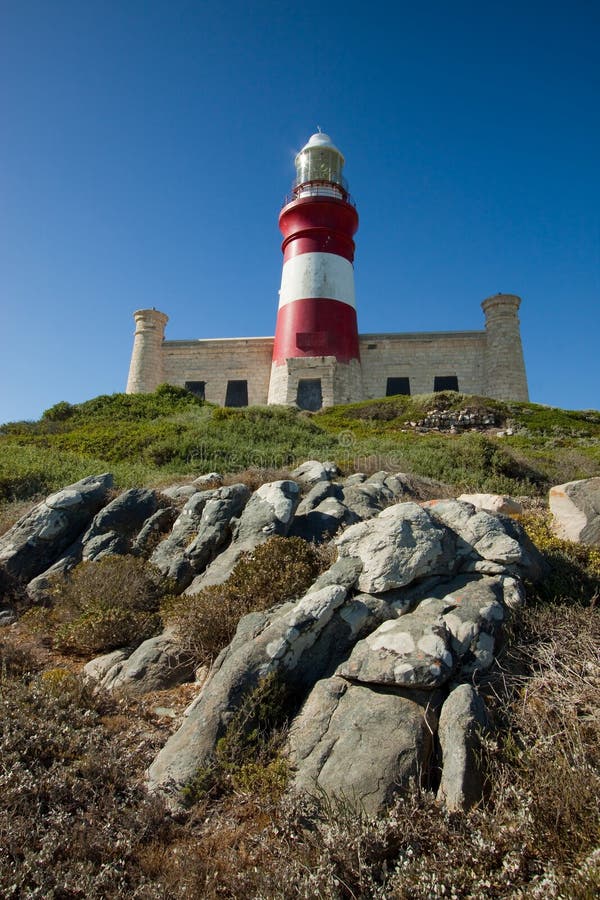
x: 316, y: 360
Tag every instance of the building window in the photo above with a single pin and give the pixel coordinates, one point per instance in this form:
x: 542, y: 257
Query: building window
x: 196, y: 387
x: 310, y: 395
x: 397, y: 386
x: 237, y: 393
x: 445, y: 383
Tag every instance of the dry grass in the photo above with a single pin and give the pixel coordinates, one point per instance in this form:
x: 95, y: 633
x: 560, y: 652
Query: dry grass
x: 75, y: 823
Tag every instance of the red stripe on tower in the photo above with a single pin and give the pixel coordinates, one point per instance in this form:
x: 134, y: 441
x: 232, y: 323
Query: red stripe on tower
x: 317, y: 313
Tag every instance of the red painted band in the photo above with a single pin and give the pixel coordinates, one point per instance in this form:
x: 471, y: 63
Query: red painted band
x: 318, y: 212
x: 318, y: 240
x: 316, y: 327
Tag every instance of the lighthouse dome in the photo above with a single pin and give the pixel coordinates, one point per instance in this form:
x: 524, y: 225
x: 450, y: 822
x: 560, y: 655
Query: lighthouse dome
x: 319, y: 162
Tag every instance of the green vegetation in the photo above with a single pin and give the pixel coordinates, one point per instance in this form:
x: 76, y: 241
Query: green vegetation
x: 278, y: 570
x: 147, y: 439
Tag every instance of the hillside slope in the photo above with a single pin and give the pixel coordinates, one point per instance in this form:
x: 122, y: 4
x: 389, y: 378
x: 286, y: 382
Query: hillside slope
x: 472, y: 443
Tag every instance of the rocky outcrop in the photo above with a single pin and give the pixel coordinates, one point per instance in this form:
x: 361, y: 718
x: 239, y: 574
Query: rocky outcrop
x: 157, y: 664
x: 361, y: 745
x: 575, y: 508
x: 376, y: 646
x: 40, y: 537
x: 199, y: 532
x: 391, y: 639
x: 270, y: 511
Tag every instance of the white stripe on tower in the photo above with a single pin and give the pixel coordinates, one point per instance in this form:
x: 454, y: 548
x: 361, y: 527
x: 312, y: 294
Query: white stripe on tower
x: 323, y: 275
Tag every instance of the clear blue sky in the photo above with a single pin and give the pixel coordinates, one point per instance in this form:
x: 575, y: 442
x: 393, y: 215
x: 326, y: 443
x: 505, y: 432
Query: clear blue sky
x: 146, y: 147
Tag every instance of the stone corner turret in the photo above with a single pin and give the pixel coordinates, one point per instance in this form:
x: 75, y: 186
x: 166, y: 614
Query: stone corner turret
x: 505, y: 376
x: 146, y: 368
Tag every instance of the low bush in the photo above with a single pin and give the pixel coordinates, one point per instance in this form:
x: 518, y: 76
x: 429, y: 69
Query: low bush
x: 101, y: 606
x: 278, y: 570
x: 248, y: 756
x: 574, y: 569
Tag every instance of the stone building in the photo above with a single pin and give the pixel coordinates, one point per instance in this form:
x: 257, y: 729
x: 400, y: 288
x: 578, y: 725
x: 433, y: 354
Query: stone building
x: 317, y: 356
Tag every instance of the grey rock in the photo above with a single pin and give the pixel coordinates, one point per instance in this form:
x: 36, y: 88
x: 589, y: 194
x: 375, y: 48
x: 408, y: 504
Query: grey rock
x: 413, y: 651
x: 344, y: 571
x: 157, y: 664
x: 180, y: 491
x: 575, y: 508
x: 40, y: 537
x: 269, y: 511
x: 214, y: 479
x: 323, y: 521
x: 99, y: 667
x: 399, y: 546
x: 491, y: 538
x: 153, y: 527
x: 312, y: 471
x: 463, y: 718
x: 168, y: 556
x: 357, y: 478
x: 280, y: 647
x: 319, y: 492
x: 213, y: 529
x: 7, y: 616
x: 359, y: 745
x: 124, y: 515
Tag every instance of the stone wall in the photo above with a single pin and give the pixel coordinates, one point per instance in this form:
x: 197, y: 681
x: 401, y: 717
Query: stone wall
x: 218, y: 361
x: 422, y: 356
x: 486, y: 362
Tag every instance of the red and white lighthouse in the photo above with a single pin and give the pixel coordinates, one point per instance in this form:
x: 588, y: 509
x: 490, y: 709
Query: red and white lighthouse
x: 316, y: 359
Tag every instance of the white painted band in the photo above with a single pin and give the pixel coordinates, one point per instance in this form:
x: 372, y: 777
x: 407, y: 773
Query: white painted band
x: 317, y: 275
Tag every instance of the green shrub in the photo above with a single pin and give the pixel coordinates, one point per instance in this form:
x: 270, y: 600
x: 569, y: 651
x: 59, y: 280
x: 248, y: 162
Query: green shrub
x: 102, y: 605
x: 280, y: 569
x: 574, y: 568
x: 247, y: 758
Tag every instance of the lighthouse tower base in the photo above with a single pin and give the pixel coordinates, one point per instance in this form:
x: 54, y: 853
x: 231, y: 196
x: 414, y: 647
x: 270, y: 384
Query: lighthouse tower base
x: 313, y: 382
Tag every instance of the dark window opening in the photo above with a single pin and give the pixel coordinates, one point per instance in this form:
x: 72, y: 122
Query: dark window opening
x: 371, y: 346
x: 237, y: 393
x: 196, y: 387
x: 397, y: 386
x: 310, y: 395
x: 445, y: 383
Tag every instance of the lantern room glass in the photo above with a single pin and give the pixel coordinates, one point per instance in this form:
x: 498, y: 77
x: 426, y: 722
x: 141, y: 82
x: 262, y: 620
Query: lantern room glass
x: 322, y: 164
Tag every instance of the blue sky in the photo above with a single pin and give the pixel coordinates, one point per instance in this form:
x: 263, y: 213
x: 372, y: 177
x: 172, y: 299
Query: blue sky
x: 146, y: 148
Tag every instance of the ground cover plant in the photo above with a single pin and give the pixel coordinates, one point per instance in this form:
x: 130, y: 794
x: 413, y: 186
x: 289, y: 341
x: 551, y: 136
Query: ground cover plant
x: 147, y: 439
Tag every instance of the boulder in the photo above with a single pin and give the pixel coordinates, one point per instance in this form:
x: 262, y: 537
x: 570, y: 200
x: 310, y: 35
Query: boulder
x: 43, y: 534
x: 214, y: 479
x: 97, y: 669
x: 488, y: 543
x: 319, y: 492
x: 494, y: 503
x: 399, y: 546
x: 323, y: 521
x: 180, y: 491
x: 214, y: 527
x: 463, y: 718
x: 312, y: 470
x: 359, y: 745
x: 413, y: 651
x: 169, y: 556
x: 157, y: 664
x: 575, y: 508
